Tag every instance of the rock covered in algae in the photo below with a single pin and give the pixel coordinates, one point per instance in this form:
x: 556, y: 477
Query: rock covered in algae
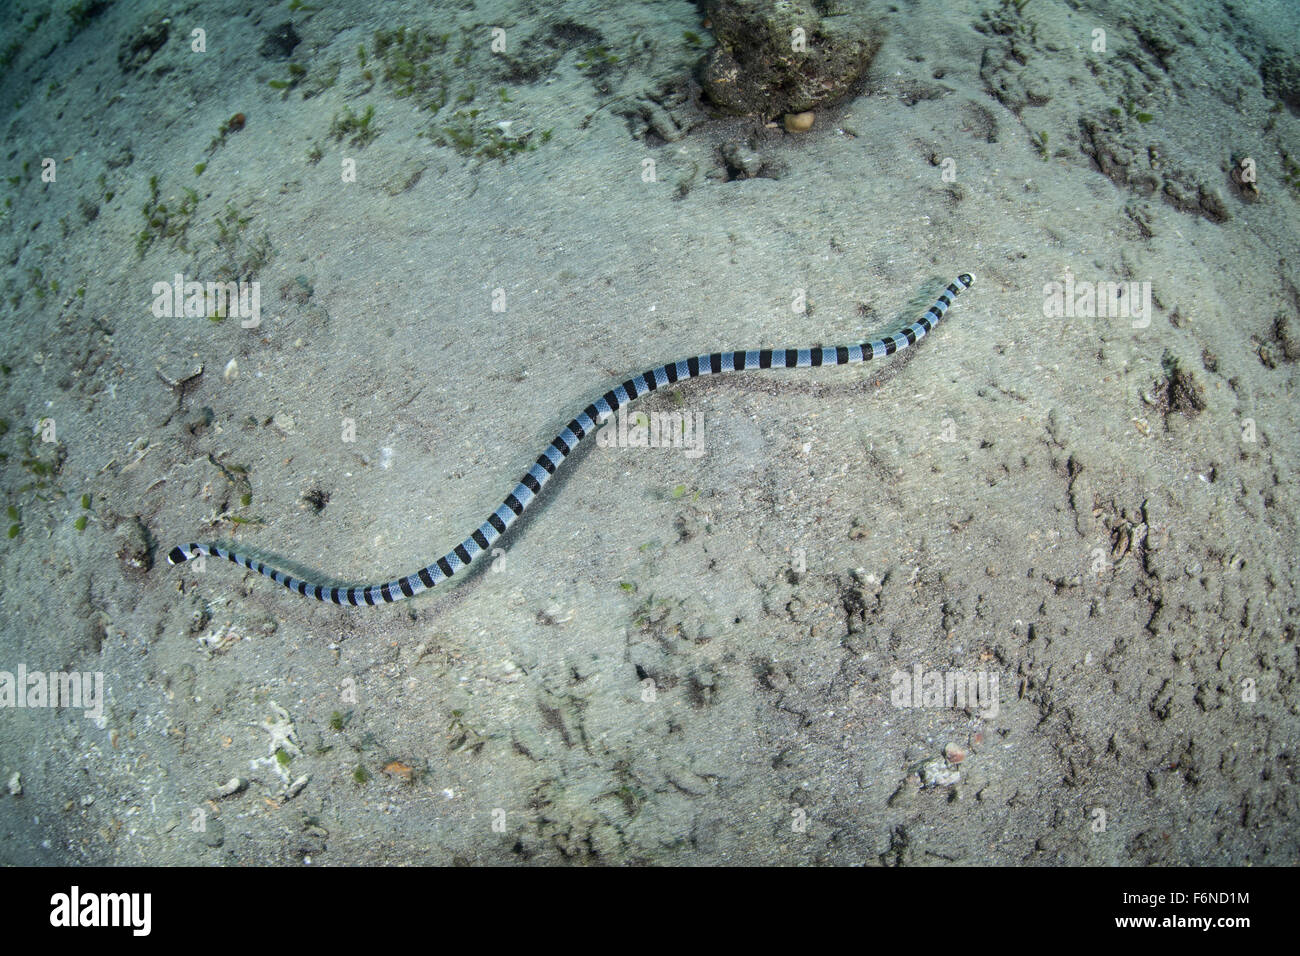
x: 781, y: 56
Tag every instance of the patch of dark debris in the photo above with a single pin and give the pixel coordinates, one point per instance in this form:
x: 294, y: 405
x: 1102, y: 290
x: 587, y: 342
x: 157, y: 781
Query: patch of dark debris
x: 317, y: 498
x: 1177, y: 390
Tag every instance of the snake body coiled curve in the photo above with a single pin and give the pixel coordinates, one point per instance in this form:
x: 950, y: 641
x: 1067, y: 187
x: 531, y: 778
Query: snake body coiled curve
x: 586, y: 422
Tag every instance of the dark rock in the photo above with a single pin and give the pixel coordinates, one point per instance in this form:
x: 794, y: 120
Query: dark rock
x: 1179, y: 391
x: 279, y: 43
x: 1123, y: 162
x: 1281, y: 75
x: 1287, y: 336
x: 134, y: 549
x: 143, y: 43
x: 572, y: 34
x: 756, y: 69
x: 1008, y: 77
x: 742, y: 162
x: 1211, y: 204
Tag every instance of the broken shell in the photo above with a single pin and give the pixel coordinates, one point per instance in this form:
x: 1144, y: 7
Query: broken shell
x: 231, y: 787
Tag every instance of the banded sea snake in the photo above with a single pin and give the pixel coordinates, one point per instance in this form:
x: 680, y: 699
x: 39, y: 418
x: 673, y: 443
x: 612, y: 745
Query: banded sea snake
x: 586, y: 422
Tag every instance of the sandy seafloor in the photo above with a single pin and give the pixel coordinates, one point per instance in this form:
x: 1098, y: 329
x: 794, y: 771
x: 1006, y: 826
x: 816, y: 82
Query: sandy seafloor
x: 678, y: 659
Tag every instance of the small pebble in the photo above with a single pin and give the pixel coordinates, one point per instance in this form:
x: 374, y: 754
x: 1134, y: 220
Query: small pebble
x: 799, y: 122
x: 936, y: 772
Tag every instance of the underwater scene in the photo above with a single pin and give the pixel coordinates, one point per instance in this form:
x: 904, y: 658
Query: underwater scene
x: 730, y: 432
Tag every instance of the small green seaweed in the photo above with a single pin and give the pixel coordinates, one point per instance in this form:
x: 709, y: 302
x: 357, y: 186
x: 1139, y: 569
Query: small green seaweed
x: 680, y: 491
x: 232, y: 125
x: 241, y: 256
x: 471, y: 136
x: 356, y: 128
x: 166, y: 222
x: 410, y: 65
x: 596, y: 61
x: 1039, y: 142
x: 297, y: 73
x: 1130, y: 108
x: 360, y: 775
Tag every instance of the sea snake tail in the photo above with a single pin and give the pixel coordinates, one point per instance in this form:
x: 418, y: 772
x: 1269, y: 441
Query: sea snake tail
x: 586, y: 422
